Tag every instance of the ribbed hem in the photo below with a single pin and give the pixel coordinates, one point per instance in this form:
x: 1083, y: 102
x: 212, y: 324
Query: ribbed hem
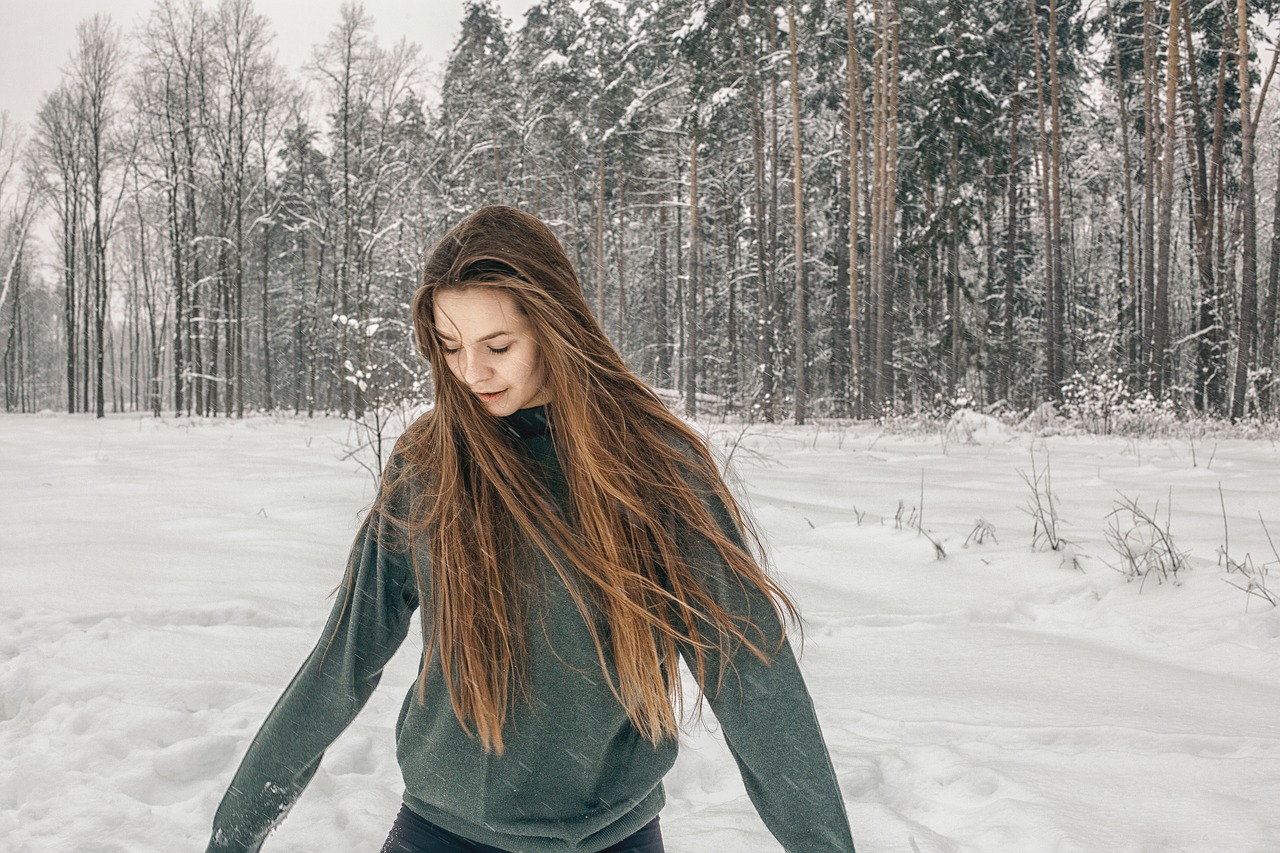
x: 569, y: 841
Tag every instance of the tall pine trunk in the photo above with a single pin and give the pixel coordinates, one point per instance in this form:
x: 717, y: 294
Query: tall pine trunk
x: 1046, y: 209
x: 1127, y: 307
x: 1159, y: 367
x: 1008, y: 338
x: 1058, y: 300
x: 1148, y: 181
x: 1249, y: 248
x: 1268, y: 360
x: 797, y: 165
x: 1202, y: 223
x: 854, y: 94
x: 689, y: 366
x: 763, y: 404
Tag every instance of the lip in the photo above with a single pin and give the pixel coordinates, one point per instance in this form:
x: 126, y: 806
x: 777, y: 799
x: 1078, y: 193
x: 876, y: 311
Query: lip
x: 490, y: 396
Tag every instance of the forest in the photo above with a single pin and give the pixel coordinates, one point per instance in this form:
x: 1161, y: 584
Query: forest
x: 779, y: 211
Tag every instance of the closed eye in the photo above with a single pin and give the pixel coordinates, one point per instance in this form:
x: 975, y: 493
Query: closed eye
x: 499, y: 351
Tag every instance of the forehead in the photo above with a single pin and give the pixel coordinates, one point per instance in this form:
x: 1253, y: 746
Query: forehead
x: 476, y: 312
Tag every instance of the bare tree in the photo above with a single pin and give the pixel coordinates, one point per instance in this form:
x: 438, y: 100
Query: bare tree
x: 96, y: 69
x: 363, y: 87
x: 240, y: 72
x: 171, y: 91
x: 19, y: 205
x: 17, y: 219
x: 60, y: 171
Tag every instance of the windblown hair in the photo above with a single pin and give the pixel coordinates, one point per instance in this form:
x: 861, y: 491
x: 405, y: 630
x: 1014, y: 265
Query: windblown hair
x: 640, y: 486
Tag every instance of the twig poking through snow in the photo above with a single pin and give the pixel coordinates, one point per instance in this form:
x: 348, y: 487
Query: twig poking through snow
x: 1145, y: 547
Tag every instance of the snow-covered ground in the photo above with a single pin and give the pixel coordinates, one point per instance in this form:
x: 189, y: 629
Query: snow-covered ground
x: 161, y: 580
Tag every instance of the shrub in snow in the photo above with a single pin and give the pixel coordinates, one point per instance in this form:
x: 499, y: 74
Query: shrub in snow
x: 1144, y: 545
x: 1253, y: 578
x: 1042, y: 506
x: 940, y: 413
x: 1100, y: 402
x: 982, y: 531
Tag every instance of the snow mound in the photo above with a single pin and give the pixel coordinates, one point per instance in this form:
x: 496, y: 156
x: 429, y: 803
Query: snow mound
x: 972, y: 427
x: 1043, y: 419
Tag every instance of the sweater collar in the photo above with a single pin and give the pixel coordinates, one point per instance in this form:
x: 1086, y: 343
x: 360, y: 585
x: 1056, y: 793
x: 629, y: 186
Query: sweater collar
x: 528, y: 423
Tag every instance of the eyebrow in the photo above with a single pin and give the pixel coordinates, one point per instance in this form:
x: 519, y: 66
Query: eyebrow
x: 442, y: 336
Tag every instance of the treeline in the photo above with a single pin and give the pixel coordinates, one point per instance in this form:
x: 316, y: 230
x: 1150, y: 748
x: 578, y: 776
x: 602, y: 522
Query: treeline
x: 782, y: 210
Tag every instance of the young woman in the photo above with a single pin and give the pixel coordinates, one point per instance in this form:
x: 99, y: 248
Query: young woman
x: 567, y: 540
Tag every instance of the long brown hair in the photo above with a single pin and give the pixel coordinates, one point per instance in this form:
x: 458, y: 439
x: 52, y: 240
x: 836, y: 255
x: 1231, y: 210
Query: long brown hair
x: 640, y: 485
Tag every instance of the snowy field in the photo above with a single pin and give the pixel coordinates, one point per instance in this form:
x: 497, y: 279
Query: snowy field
x: 160, y: 581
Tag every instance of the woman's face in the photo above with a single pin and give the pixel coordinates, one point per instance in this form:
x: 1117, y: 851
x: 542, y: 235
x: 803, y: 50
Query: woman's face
x: 490, y: 348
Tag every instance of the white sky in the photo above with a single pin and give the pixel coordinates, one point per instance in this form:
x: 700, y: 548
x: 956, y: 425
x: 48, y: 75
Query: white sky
x: 37, y: 36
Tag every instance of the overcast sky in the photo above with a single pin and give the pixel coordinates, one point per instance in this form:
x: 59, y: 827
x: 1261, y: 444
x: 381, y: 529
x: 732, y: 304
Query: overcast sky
x: 36, y: 36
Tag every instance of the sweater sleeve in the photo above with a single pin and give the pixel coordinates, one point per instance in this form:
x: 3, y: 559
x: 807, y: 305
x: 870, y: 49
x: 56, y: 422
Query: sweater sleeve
x: 370, y: 619
x: 767, y: 715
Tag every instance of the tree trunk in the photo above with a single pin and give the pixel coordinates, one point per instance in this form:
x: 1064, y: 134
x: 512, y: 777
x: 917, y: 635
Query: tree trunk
x: 622, y: 257
x: 70, y: 228
x: 1057, y: 304
x: 801, y: 330
x: 887, y: 305
x: 1009, y: 342
x: 1211, y: 352
x: 1202, y: 222
x: 1249, y: 249
x: 1268, y: 360
x: 1159, y: 366
x: 689, y: 360
x: 884, y: 196
x: 662, y: 320
x: 1127, y: 303
x: 599, y: 235
x: 268, y: 379
x: 854, y: 80
x: 1148, y: 181
x: 774, y: 216
x: 764, y: 406
x: 1046, y: 211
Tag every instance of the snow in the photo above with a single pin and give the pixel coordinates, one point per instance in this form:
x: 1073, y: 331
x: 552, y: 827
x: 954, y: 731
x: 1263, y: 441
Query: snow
x: 553, y: 60
x: 160, y: 581
x: 694, y: 22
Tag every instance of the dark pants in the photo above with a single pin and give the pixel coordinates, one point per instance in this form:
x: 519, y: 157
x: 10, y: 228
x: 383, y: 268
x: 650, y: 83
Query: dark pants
x: 413, y: 834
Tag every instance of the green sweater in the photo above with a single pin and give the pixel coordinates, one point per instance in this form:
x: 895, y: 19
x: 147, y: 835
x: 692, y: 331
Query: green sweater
x: 575, y: 776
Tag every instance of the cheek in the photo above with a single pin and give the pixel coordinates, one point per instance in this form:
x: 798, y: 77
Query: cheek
x: 535, y: 365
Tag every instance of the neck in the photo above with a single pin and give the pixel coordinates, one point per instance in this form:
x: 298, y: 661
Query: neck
x: 528, y: 423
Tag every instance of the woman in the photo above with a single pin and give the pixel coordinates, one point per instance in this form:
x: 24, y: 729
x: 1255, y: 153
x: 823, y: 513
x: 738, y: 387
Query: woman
x: 567, y: 539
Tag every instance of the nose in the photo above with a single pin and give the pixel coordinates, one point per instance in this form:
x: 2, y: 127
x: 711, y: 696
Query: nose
x: 472, y: 369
